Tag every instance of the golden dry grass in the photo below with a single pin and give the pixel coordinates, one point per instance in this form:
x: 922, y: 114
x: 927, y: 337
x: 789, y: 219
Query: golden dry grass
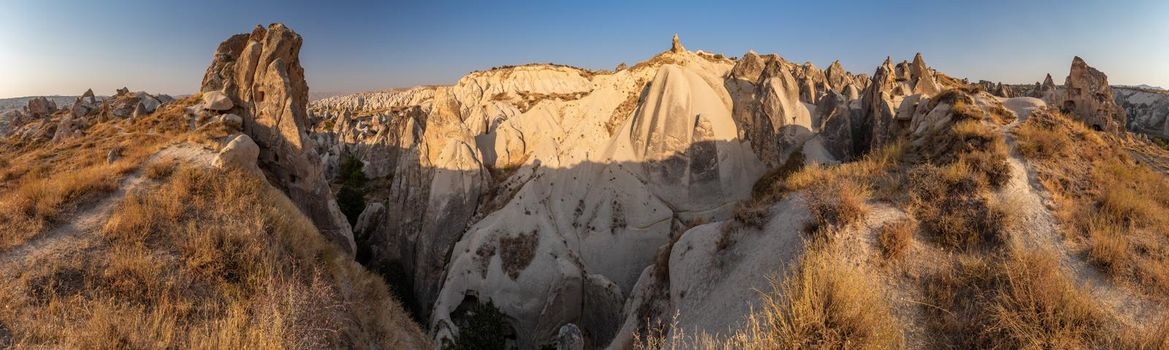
x: 822, y: 303
x: 1112, y: 206
x: 209, y: 259
x: 1022, y: 300
x: 44, y: 180
x: 895, y: 237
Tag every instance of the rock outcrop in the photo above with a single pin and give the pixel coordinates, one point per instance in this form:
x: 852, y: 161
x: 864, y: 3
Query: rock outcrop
x: 1088, y: 97
x: 260, y: 75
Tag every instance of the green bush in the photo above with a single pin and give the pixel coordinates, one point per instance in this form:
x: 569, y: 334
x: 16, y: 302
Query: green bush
x: 351, y: 196
x: 483, y: 329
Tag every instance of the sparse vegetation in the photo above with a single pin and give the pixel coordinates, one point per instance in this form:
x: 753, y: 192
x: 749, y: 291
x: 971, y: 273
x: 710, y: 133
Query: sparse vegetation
x: 836, y: 204
x: 1112, y: 206
x: 175, y: 267
x: 1023, y: 300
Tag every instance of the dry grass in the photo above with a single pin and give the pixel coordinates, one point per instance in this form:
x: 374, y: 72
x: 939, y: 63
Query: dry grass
x: 954, y: 207
x: 207, y: 260
x: 835, y: 205
x: 45, y: 181
x: 1022, y: 301
x: 1113, y: 207
x: 823, y: 303
x: 895, y: 237
x: 160, y: 169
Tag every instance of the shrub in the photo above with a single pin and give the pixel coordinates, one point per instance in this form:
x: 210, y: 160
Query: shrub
x: 894, y: 238
x: 516, y: 252
x: 351, y: 196
x: 953, y: 208
x: 160, y: 169
x: 836, y: 204
x: 484, y: 328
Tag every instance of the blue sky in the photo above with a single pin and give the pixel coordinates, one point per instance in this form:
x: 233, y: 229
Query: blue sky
x: 64, y: 47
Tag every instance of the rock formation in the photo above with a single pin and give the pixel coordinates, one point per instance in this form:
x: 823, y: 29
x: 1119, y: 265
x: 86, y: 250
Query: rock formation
x: 1088, y: 97
x: 888, y: 103
x: 260, y: 75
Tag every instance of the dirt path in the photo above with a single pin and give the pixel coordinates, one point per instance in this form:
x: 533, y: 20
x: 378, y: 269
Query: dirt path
x: 87, y: 218
x: 91, y: 216
x: 1039, y: 229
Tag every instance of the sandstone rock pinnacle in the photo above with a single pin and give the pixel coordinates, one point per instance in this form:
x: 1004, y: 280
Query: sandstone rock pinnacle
x: 1090, y: 99
x: 677, y: 48
x: 261, y: 79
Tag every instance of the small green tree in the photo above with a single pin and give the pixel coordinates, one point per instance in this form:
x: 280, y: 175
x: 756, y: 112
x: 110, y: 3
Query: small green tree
x: 351, y: 196
x: 483, y: 329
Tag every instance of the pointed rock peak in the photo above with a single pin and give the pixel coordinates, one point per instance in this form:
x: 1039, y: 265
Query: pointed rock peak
x: 835, y: 65
x: 1048, y: 81
x: 677, y: 48
x: 1078, y: 61
x: 88, y: 93
x: 917, y: 60
x: 749, y: 51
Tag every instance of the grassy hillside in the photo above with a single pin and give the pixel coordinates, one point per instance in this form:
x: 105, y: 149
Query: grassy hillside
x: 150, y: 251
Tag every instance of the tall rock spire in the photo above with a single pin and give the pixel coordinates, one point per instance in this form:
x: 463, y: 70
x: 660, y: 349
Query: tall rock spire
x: 677, y: 48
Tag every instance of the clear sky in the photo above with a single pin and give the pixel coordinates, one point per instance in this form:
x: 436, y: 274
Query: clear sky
x: 66, y: 46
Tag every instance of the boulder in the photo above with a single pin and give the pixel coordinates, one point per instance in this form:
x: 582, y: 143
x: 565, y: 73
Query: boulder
x: 88, y: 97
x: 569, y: 338
x: 240, y: 153
x: 232, y: 121
x: 139, y: 111
x: 40, y: 107
x: 217, y: 101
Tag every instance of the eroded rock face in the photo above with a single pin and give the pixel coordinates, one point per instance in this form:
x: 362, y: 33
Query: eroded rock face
x: 548, y: 189
x: 261, y: 77
x: 1089, y: 98
x: 1148, y: 109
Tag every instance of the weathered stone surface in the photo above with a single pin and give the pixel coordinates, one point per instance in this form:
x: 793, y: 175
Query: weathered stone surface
x: 835, y: 125
x: 569, y: 338
x: 1147, y: 109
x: 260, y: 77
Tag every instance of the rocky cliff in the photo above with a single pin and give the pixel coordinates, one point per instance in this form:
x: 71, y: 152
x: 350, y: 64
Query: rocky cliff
x: 548, y: 189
